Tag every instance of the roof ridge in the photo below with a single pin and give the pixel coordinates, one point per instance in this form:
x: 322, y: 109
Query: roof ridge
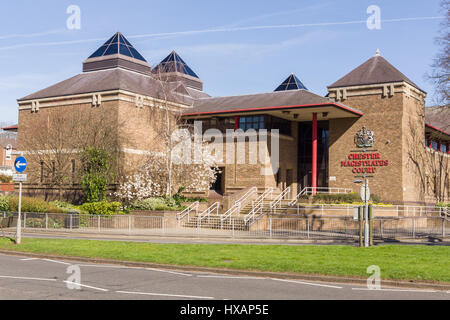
x: 268, y: 92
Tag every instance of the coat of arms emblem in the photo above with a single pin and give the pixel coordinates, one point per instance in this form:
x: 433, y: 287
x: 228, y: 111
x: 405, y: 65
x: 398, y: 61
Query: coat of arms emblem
x: 364, y: 138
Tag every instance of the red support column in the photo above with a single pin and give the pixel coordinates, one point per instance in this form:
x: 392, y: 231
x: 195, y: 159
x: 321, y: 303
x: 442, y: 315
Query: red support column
x: 314, y: 154
x: 448, y: 148
x: 439, y: 146
x: 236, y: 123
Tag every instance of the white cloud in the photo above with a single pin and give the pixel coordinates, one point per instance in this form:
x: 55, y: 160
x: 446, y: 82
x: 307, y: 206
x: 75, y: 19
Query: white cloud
x: 252, y: 49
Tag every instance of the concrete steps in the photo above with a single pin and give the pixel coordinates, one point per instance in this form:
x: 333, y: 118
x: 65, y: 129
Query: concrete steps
x: 238, y: 222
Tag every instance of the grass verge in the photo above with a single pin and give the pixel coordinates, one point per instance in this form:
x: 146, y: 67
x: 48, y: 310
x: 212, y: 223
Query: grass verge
x: 399, y: 262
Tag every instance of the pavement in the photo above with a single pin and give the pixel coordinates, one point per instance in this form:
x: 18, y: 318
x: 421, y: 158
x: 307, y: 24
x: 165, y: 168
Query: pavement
x: 206, y: 240
x: 32, y: 277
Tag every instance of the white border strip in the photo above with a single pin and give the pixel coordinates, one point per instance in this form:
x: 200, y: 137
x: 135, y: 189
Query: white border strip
x: 26, y: 278
x: 85, y: 286
x: 231, y: 277
x: 165, y: 295
x: 309, y: 283
x: 393, y: 290
x: 60, y: 262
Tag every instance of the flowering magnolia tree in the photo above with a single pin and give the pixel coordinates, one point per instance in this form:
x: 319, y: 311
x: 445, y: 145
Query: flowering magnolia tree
x: 152, y: 179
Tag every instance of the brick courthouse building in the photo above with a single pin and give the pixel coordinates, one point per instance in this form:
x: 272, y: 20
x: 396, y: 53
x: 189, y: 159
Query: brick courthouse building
x: 372, y: 123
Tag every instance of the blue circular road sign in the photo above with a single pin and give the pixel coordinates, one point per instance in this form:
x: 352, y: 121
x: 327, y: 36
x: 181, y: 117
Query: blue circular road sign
x: 20, y: 164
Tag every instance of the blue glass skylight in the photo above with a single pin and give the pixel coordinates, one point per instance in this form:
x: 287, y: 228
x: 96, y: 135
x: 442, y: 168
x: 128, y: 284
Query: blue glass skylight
x: 291, y: 83
x: 118, y: 44
x: 174, y: 63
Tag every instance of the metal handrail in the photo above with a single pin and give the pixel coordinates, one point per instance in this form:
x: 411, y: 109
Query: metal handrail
x: 260, y: 200
x: 187, y: 211
x: 207, y: 212
x: 236, y: 208
x: 257, y: 211
x: 257, y: 205
x: 247, y: 195
x: 277, y: 201
x: 444, y: 213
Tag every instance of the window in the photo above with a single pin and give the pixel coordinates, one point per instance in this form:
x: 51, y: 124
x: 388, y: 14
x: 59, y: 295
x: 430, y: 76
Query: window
x: 256, y: 122
x: 278, y: 177
x: 221, y: 124
x: 229, y: 123
x: 434, y: 145
x: 73, y: 171
x: 252, y: 122
x: 42, y: 171
x: 284, y: 126
x: 53, y: 170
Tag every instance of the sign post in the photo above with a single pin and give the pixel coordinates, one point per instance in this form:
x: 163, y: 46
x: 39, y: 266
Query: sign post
x: 365, y: 196
x: 20, y: 165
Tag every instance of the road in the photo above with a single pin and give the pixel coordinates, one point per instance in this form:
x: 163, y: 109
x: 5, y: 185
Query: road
x: 45, y: 279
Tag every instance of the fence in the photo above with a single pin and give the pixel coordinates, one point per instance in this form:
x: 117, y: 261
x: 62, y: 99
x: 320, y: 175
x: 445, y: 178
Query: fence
x: 311, y: 227
x: 347, y: 210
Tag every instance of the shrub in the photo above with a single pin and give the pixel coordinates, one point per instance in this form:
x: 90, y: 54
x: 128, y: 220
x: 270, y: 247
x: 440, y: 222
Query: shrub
x: 343, y: 198
x: 65, y: 206
x: 5, y: 179
x: 442, y: 205
x: 4, y: 204
x: 102, y: 208
x: 95, y: 174
x: 156, y: 204
x: 35, y: 223
x: 337, y: 198
x: 32, y: 205
x: 375, y: 198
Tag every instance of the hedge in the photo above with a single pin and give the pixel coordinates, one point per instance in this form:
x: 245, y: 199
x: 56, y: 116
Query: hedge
x: 11, y: 204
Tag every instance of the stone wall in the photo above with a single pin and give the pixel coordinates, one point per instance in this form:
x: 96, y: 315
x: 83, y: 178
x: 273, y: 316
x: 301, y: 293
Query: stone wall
x: 384, y: 117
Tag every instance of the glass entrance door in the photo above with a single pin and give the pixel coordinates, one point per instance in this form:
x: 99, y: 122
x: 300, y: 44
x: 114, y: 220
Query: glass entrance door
x: 305, y: 154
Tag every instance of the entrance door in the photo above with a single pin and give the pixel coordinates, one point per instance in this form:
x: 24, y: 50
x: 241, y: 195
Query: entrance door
x: 305, y: 154
x: 289, y: 178
x: 217, y: 186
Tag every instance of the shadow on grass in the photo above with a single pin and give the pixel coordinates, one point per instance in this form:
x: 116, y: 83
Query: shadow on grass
x: 10, y: 239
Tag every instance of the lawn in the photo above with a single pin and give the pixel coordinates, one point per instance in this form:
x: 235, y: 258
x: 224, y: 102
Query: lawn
x: 429, y: 263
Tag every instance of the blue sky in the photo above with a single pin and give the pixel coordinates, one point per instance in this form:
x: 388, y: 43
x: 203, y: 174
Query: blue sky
x: 38, y: 50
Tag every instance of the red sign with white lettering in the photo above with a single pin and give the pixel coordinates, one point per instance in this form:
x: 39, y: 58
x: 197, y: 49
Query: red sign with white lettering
x: 364, y: 162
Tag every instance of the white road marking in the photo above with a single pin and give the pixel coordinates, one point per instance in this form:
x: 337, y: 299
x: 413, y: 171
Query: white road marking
x: 27, y: 278
x: 229, y: 277
x: 29, y: 259
x: 167, y: 271
x: 394, y: 290
x: 308, y: 283
x: 164, y: 295
x: 66, y: 263
x: 108, y: 266
x: 141, y: 268
x: 86, y: 286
